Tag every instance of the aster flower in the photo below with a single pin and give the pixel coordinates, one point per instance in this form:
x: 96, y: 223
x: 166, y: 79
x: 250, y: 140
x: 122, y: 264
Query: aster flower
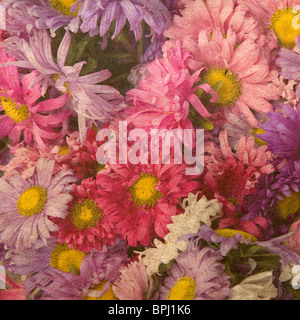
x: 279, y: 199
x: 196, y: 275
x: 282, y: 134
x: 42, y: 14
x: 240, y: 75
x: 22, y: 114
x: 153, y: 12
x: 197, y: 212
x: 210, y: 15
x: 98, y: 272
x: 90, y: 100
x: 148, y: 196
x: 163, y: 98
x: 276, y: 17
x: 134, y: 283
x: 27, y: 205
x: 86, y: 227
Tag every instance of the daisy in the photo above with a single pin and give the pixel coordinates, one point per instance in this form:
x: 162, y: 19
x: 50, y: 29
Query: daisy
x: 240, y: 75
x: 43, y: 14
x: 90, y: 100
x: 98, y: 272
x: 210, y: 15
x: 27, y: 205
x: 164, y: 97
x: 147, y: 197
x: 196, y: 275
x: 86, y: 226
x: 276, y: 16
x: 21, y: 111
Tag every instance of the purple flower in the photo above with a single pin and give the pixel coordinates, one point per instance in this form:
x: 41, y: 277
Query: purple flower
x: 25, y: 14
x: 153, y: 12
x: 27, y: 205
x: 283, y: 134
x: 196, y: 275
x: 289, y: 62
x: 98, y: 271
x: 89, y: 99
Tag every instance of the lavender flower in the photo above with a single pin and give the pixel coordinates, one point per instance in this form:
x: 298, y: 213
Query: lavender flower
x: 26, y: 205
x: 90, y: 100
x: 98, y: 271
x: 196, y: 275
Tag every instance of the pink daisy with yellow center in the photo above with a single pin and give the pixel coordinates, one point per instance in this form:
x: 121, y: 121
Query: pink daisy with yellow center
x: 240, y: 75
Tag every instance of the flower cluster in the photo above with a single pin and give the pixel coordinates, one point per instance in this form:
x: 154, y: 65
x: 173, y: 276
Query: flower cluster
x: 150, y: 150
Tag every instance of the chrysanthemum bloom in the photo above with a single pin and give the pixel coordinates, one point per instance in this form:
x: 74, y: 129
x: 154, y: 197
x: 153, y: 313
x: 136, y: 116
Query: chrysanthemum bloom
x: 163, y: 98
x: 196, y: 275
x: 210, y: 15
x: 277, y: 198
x: 98, y: 272
x: 90, y: 100
x: 42, y: 14
x: 22, y: 112
x: 240, y: 75
x: 154, y: 13
x: 277, y: 15
x: 134, y: 283
x: 282, y: 134
x: 86, y: 226
x: 197, y: 212
x: 26, y: 206
x: 147, y: 197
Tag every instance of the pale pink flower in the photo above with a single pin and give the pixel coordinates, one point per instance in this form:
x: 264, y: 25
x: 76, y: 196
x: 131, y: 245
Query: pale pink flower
x: 134, y: 282
x: 240, y: 74
x: 293, y: 242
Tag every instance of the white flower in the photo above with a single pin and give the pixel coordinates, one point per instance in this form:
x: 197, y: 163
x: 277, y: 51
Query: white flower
x: 197, y: 212
x: 257, y: 287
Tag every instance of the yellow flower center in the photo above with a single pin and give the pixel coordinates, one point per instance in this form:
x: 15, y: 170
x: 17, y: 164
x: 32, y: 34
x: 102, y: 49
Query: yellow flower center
x: 64, y: 6
x: 17, y: 114
x: 108, y: 295
x: 55, y: 77
x: 229, y: 233
x: 66, y: 260
x: 64, y: 150
x: 289, y: 205
x: 183, y: 289
x: 86, y: 214
x: 32, y: 201
x: 225, y: 83
x: 255, y: 132
x: 143, y: 191
x: 283, y: 26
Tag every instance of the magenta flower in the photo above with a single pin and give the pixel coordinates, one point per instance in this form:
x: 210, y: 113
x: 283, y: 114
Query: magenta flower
x: 21, y: 112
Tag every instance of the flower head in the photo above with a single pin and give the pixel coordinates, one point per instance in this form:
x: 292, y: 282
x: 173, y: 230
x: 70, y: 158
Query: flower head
x: 27, y: 205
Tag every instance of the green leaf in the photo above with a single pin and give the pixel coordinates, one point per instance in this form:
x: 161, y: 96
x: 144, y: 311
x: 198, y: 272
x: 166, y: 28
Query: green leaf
x: 89, y: 67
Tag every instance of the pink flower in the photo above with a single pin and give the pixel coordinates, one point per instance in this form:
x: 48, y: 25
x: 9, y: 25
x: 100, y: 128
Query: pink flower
x: 15, y: 292
x: 143, y: 198
x: 210, y: 15
x: 134, y: 283
x: 240, y: 75
x: 86, y: 225
x: 293, y: 242
x: 163, y: 98
x: 276, y: 17
x: 21, y: 112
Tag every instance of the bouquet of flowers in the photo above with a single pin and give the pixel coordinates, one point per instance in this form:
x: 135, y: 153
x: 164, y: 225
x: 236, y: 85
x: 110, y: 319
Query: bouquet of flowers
x: 150, y: 150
